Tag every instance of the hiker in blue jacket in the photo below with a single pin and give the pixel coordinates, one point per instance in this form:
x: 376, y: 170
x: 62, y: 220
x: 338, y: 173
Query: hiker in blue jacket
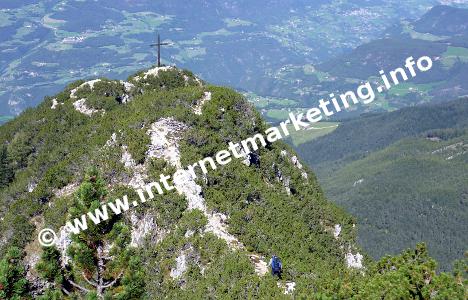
x: 276, y: 266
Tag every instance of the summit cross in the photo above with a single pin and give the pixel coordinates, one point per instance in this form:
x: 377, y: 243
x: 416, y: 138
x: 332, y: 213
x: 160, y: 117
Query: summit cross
x: 159, y: 44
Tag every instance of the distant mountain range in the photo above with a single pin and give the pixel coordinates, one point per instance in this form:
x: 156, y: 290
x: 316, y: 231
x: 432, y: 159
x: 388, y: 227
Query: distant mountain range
x: 444, y: 20
x: 257, y: 46
x: 445, y: 81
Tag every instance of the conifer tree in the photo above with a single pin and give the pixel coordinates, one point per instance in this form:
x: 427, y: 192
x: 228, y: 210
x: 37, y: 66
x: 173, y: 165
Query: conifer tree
x: 5, y: 169
x: 13, y: 284
x: 410, y: 275
x: 100, y: 257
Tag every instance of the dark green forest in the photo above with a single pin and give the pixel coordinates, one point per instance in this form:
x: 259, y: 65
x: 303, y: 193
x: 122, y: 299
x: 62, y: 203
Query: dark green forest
x: 403, y: 175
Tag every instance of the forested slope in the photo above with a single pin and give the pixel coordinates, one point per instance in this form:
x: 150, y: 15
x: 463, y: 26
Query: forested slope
x: 403, y: 174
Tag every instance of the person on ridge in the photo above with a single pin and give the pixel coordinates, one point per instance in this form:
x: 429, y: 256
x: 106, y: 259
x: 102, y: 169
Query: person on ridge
x: 276, y: 266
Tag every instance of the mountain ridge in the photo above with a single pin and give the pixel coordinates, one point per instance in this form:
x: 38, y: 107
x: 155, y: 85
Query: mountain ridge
x: 102, y: 120
x: 97, y: 140
x: 444, y: 20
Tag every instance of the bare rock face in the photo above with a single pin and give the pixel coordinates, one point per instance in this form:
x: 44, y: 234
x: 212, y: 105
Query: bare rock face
x: 186, y: 185
x: 165, y: 135
x: 197, y: 109
x: 354, y: 260
x: 112, y: 141
x: 286, y: 180
x: 217, y: 225
x: 337, y: 231
x: 140, y: 228
x: 181, y: 264
x: 217, y: 222
x: 287, y: 287
x: 188, y: 255
x: 63, y: 242
x: 189, y: 233
x: 261, y: 267
x: 296, y: 162
x: 31, y: 186
x: 358, y: 182
x: 67, y: 190
x: 139, y: 171
x: 127, y: 159
x: 80, y: 105
x: 55, y: 103
x: 127, y: 86
x: 89, y: 83
x: 153, y: 72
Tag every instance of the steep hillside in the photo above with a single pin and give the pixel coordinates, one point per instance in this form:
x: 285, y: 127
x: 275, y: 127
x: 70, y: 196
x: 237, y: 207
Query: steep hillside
x: 414, y: 190
x: 403, y: 174
x: 444, y: 20
x: 356, y: 137
x: 383, y: 54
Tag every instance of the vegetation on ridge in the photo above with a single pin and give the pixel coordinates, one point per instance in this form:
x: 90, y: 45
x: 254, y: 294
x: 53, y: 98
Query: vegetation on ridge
x: 48, y: 149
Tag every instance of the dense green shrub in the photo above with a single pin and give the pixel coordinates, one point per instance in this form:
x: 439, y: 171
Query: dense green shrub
x: 13, y: 285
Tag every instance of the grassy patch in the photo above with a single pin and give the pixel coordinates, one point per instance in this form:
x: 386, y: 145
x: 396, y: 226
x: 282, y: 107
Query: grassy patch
x: 236, y: 22
x: 306, y: 135
x: 264, y: 102
x: 143, y: 21
x: 278, y: 114
x: 450, y: 57
x: 311, y: 70
x: 421, y: 36
x: 220, y: 32
x: 52, y: 23
x: 187, y: 54
x: 405, y: 88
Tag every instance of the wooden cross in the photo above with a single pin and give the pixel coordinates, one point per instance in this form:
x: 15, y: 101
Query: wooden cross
x: 159, y: 44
